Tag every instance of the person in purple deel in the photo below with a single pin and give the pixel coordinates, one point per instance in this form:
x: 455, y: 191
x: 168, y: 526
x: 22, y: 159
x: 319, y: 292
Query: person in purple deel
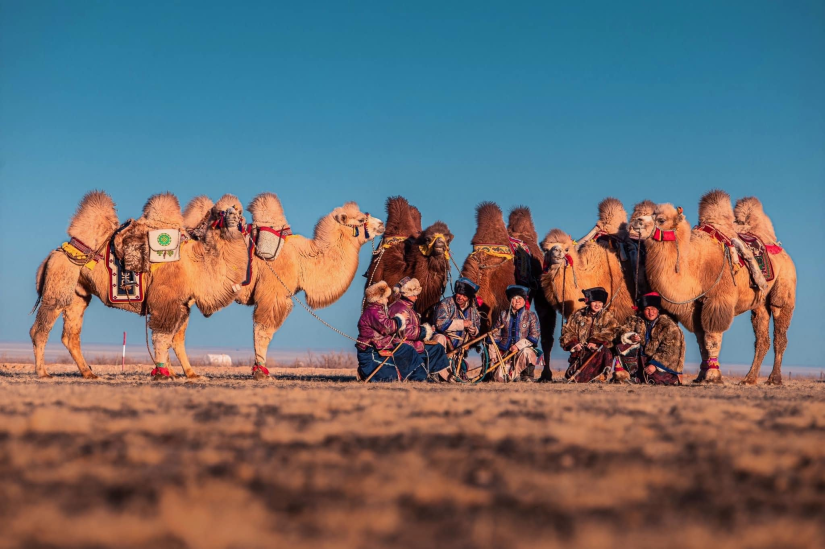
x: 383, y: 355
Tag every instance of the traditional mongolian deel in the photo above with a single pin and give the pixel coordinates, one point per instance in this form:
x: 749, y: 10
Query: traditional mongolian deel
x: 519, y: 330
x: 585, y: 327
x: 164, y: 245
x: 416, y: 334
x: 662, y: 345
x: 124, y: 286
x: 449, y: 321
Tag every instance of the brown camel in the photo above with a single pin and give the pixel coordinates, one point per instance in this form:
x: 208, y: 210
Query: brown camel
x: 490, y: 264
x: 323, y: 267
x: 204, y: 275
x: 428, y: 260
x: 704, y: 287
x: 389, y: 261
x: 529, y: 259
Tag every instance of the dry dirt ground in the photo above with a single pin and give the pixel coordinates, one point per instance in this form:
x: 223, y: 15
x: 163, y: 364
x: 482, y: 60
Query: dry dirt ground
x: 315, y: 459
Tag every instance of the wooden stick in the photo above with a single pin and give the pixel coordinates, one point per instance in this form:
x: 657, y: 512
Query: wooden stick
x: 467, y: 345
x: 382, y: 364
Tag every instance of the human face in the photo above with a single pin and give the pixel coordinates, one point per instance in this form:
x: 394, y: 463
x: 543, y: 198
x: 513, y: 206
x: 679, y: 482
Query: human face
x: 651, y: 313
x: 412, y: 298
x: 462, y: 300
x: 596, y: 306
x: 517, y: 302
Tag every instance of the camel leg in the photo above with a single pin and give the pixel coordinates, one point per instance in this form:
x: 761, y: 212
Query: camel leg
x: 178, y: 345
x: 713, y: 346
x: 72, y: 325
x: 43, y: 323
x: 161, y: 342
x: 781, y: 323
x: 699, y: 333
x: 547, y: 323
x: 761, y: 320
x: 266, y: 321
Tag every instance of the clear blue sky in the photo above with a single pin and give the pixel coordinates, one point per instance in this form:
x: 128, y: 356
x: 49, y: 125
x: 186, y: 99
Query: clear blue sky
x: 553, y: 105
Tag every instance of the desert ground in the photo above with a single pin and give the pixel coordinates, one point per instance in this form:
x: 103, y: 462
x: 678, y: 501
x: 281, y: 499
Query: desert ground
x: 315, y: 459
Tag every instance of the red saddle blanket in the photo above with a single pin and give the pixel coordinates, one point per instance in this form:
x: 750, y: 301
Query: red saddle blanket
x: 761, y: 253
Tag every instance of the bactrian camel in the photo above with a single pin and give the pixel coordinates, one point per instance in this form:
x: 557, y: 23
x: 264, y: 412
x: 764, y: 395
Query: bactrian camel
x: 704, y: 287
x: 205, y: 274
x: 322, y: 267
x: 389, y: 262
x: 428, y: 260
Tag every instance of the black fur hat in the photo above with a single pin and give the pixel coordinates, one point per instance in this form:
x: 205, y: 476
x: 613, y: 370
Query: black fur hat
x: 650, y: 300
x: 515, y: 290
x: 595, y: 294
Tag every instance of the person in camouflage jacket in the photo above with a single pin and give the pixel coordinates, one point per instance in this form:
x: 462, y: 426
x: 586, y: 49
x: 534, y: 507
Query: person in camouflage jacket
x: 588, y: 336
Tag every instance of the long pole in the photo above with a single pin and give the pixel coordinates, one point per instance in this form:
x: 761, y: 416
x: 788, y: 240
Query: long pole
x: 123, y: 356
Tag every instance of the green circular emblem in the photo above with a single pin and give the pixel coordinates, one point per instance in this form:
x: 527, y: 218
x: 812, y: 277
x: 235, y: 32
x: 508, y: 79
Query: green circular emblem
x: 164, y: 239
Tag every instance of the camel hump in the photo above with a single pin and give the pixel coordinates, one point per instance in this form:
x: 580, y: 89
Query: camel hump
x: 520, y: 222
x: 643, y: 208
x: 196, y: 210
x: 266, y: 209
x: 95, y: 219
x: 612, y: 215
x: 715, y: 209
x: 415, y: 213
x: 163, y: 211
x: 751, y: 218
x: 400, y: 218
x: 490, y: 227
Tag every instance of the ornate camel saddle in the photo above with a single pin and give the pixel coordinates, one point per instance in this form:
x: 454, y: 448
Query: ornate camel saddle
x: 761, y: 253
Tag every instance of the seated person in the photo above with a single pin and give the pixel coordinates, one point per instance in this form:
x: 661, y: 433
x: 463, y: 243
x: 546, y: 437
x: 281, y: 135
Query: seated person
x: 456, y: 318
x: 416, y: 333
x: 516, y: 337
x: 588, y: 336
x: 652, y: 346
x: 382, y: 355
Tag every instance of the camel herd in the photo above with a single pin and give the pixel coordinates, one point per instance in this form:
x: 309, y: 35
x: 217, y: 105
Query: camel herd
x: 729, y: 263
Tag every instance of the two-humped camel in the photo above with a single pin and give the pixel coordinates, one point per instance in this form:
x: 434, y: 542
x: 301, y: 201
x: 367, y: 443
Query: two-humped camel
x: 704, y: 288
x: 322, y: 267
x: 208, y: 269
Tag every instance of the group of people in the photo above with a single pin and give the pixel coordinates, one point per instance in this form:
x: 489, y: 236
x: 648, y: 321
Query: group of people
x: 395, y: 344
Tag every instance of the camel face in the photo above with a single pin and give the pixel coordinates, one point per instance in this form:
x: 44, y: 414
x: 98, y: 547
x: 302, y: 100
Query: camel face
x: 637, y: 227
x: 667, y: 217
x: 438, y: 238
x: 375, y: 226
x: 349, y: 215
x: 555, y: 246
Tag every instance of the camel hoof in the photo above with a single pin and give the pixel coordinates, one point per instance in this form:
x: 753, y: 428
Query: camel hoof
x: 90, y: 376
x: 193, y: 377
x: 748, y: 381
x: 259, y: 375
x: 161, y: 377
x: 45, y: 375
x: 774, y: 381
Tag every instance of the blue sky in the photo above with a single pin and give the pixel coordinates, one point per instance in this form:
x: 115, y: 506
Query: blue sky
x: 553, y: 105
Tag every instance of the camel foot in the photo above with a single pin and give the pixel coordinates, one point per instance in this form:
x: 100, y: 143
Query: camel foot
x: 193, y: 376
x: 748, y: 381
x: 774, y: 380
x: 90, y: 375
x: 621, y: 376
x: 44, y: 375
x: 258, y: 375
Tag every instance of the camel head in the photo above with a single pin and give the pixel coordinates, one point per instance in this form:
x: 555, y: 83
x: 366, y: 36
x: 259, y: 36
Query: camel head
x: 644, y: 208
x: 556, y: 245
x: 354, y: 224
x: 435, y: 240
x: 225, y: 218
x: 666, y: 218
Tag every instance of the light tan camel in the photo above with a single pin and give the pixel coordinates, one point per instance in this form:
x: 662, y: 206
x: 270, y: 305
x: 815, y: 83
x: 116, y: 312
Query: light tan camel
x: 705, y: 289
x: 323, y: 267
x: 204, y: 275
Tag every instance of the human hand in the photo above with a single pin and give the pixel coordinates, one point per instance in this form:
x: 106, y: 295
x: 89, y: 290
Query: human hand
x: 576, y: 348
x: 467, y: 324
x: 635, y: 338
x: 650, y: 369
x: 513, y: 348
x: 592, y: 346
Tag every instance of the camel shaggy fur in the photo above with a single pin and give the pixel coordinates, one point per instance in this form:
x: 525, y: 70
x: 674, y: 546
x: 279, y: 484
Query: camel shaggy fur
x: 323, y: 267
x: 520, y: 226
x: 428, y: 260
x: 403, y: 225
x: 204, y: 276
x: 491, y: 272
x: 702, y: 288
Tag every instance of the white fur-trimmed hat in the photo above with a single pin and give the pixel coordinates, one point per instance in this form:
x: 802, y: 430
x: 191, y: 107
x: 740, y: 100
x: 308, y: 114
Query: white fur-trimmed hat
x: 409, y: 287
x: 377, y: 292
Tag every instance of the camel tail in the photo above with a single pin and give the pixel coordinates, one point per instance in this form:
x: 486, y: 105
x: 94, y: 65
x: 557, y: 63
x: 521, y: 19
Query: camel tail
x: 95, y: 219
x: 39, y: 283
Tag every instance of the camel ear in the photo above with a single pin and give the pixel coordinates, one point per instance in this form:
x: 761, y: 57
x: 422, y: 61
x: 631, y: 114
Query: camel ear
x: 342, y: 218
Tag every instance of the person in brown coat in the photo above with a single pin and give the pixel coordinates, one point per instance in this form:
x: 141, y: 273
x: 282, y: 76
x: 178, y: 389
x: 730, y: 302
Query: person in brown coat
x: 588, y: 336
x: 652, y: 346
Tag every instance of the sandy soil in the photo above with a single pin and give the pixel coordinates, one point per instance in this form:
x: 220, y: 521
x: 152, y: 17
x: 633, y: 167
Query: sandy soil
x: 316, y: 459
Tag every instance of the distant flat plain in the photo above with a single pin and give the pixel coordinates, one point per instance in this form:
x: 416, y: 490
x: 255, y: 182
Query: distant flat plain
x: 313, y: 458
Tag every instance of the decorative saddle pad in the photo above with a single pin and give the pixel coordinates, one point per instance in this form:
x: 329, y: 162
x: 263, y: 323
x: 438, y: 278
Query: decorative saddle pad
x: 760, y: 253
x: 164, y: 245
x: 124, y: 286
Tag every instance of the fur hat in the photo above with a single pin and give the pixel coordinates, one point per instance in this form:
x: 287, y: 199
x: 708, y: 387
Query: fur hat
x: 408, y: 287
x: 465, y: 286
x: 594, y: 294
x: 515, y: 289
x: 650, y: 300
x: 377, y: 292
